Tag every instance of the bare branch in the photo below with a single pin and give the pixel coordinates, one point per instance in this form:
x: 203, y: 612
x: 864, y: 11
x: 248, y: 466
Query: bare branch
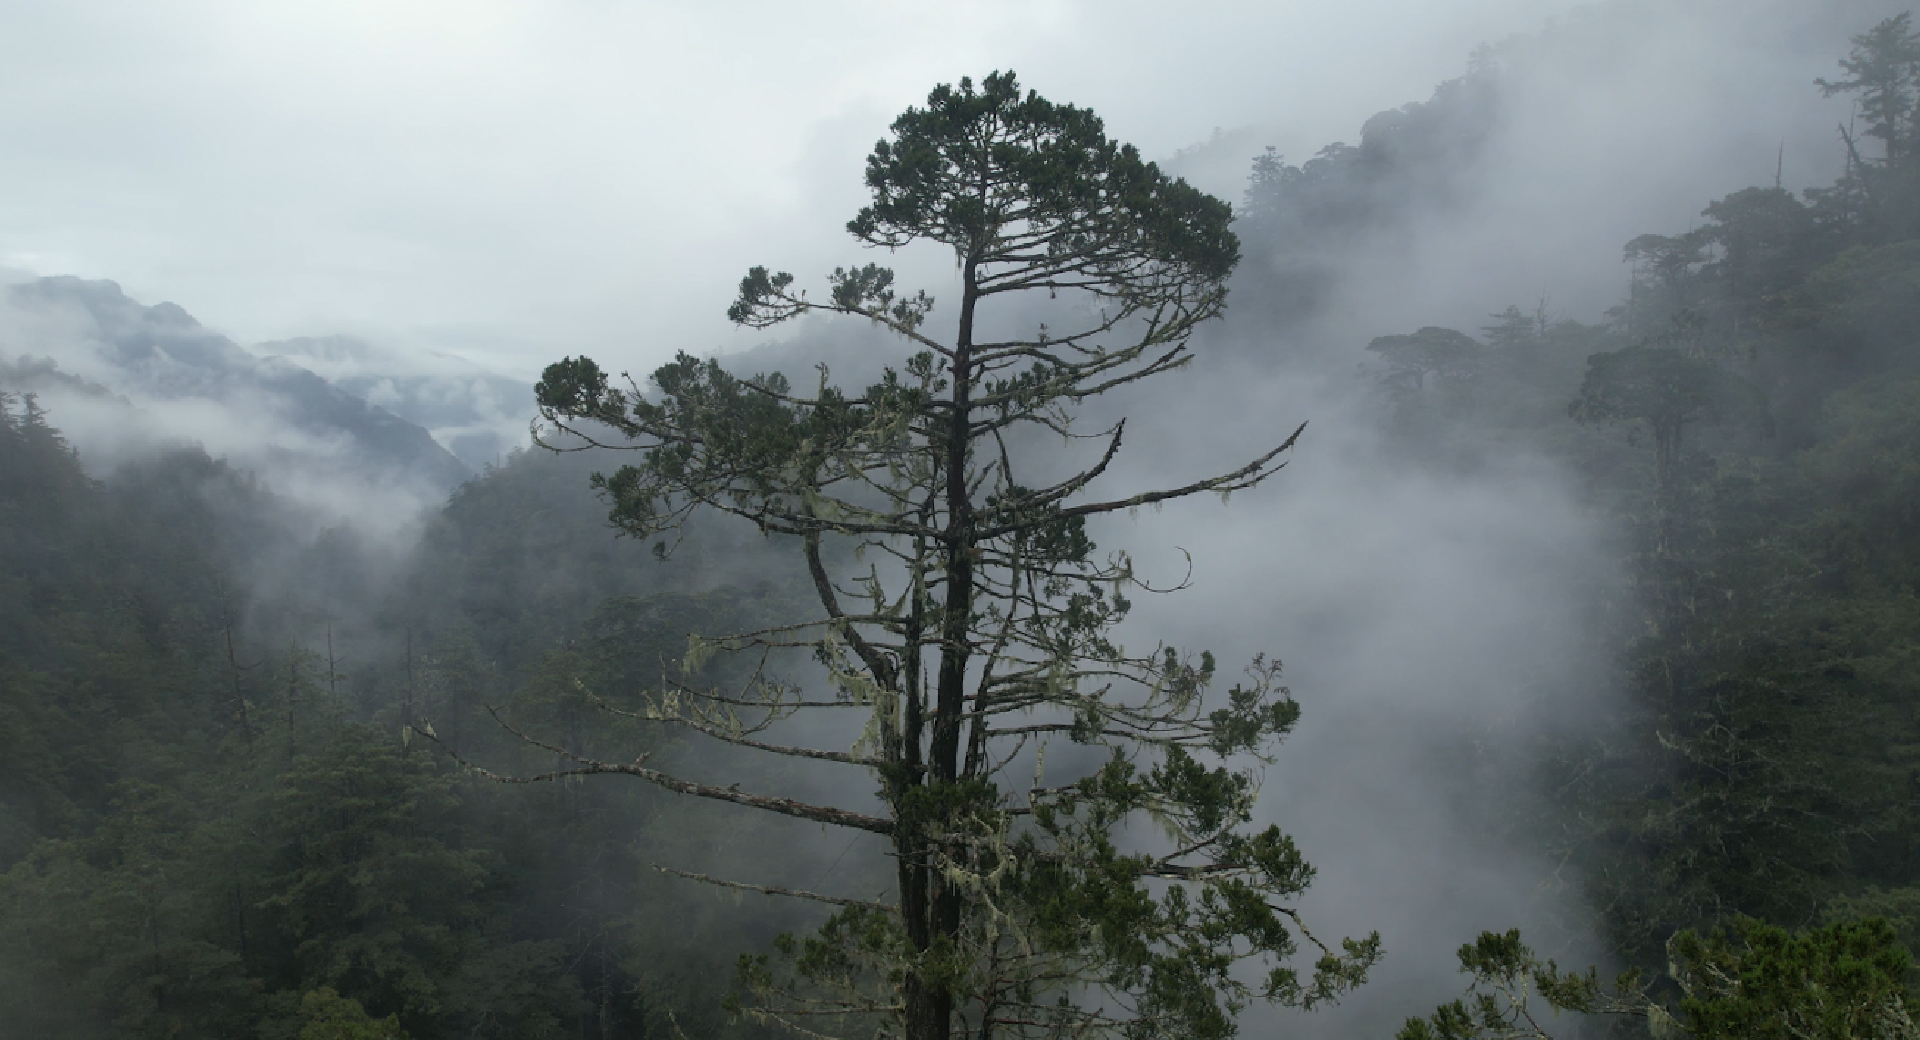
x: 775, y: 890
x: 636, y: 768
x: 1246, y: 476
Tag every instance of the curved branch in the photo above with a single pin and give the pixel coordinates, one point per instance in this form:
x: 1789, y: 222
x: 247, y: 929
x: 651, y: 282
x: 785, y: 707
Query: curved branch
x: 876, y: 662
x: 1245, y: 477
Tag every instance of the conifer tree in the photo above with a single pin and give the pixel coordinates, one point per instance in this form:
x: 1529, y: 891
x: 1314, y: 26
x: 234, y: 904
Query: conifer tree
x: 1884, y: 70
x: 990, y: 628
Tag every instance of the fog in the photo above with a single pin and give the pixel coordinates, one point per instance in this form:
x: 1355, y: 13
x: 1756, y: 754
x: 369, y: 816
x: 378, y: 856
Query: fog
x: 471, y: 191
x: 509, y: 182
x: 126, y: 382
x: 1433, y: 621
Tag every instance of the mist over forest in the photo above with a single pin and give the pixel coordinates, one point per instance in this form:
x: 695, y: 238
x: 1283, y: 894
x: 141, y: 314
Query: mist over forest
x: 1451, y: 576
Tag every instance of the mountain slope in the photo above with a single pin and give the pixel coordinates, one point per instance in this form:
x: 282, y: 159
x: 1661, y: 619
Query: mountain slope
x: 172, y: 380
x: 477, y: 415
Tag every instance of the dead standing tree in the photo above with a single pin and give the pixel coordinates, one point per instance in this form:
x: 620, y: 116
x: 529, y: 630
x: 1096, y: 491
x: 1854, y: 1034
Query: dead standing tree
x: 990, y: 630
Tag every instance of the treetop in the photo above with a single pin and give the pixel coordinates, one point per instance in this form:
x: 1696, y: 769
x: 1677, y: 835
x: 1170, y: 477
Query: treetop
x: 1010, y: 179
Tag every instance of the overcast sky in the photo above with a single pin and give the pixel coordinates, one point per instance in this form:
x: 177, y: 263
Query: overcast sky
x: 514, y: 181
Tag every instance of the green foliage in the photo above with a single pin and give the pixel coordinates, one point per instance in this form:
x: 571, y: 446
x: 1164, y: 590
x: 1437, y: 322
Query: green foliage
x: 105, y: 632
x: 1508, y: 977
x: 1853, y: 310
x: 364, y: 880
x: 1659, y: 386
x: 1445, y: 353
x: 1748, y: 982
x: 1768, y: 241
x: 330, y: 1016
x: 1091, y: 206
x: 1884, y: 69
x: 1758, y: 982
x: 195, y: 844
x: 144, y: 962
x: 987, y: 630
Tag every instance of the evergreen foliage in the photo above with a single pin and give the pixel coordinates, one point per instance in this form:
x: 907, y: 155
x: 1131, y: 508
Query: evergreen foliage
x: 1751, y: 981
x: 986, y: 630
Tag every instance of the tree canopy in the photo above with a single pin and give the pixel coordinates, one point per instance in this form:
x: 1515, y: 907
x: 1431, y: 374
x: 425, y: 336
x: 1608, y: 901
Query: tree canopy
x: 986, y: 631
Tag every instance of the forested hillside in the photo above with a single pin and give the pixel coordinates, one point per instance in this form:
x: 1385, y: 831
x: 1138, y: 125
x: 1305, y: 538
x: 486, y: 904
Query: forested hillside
x: 215, y: 828
x: 215, y: 820
x: 1749, y: 420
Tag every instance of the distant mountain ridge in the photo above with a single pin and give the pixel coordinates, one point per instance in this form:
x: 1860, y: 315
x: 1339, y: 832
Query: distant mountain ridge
x: 169, y: 379
x: 477, y: 415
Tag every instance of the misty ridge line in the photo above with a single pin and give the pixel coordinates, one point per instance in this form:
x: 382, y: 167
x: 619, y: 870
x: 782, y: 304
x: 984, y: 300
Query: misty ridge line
x: 125, y: 380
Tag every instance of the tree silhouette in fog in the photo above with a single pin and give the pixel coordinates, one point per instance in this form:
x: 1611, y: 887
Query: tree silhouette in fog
x: 980, y: 626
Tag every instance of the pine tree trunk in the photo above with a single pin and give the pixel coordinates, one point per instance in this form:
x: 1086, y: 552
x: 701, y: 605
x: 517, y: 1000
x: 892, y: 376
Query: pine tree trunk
x: 934, y: 912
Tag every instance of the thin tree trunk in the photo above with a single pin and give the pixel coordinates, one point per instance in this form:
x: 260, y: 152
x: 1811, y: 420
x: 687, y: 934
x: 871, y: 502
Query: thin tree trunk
x: 239, y: 694
x: 929, y: 1009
